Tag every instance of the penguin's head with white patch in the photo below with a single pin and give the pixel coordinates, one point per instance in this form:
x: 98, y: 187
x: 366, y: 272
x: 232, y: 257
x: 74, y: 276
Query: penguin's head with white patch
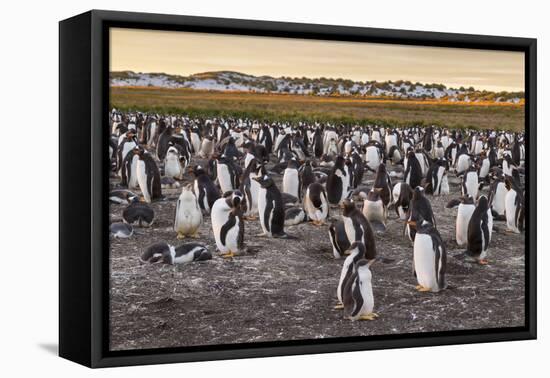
x: 418, y: 193
x: 347, y: 206
x: 374, y: 194
x: 233, y: 198
x: 293, y: 163
x: 265, y: 181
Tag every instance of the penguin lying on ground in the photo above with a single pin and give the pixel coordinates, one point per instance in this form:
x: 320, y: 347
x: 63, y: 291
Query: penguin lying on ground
x: 121, y: 230
x: 138, y: 213
x: 121, y: 196
x: 165, y: 253
x: 294, y: 216
x: 169, y: 183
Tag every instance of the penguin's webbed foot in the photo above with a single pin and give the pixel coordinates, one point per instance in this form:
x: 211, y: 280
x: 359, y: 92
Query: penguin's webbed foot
x: 339, y: 306
x: 195, y: 235
x: 371, y: 316
x: 483, y: 261
x: 181, y: 236
x: 228, y: 255
x: 422, y: 288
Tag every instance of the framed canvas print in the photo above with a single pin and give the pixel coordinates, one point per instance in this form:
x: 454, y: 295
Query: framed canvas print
x: 234, y: 188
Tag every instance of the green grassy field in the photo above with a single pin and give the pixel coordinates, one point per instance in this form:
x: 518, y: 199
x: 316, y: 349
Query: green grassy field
x: 287, y: 107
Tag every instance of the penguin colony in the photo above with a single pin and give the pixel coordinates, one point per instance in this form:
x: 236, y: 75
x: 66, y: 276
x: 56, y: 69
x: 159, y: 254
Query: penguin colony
x: 226, y: 170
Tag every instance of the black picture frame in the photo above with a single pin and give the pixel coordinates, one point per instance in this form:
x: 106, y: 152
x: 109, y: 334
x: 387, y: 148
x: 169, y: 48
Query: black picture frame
x: 83, y: 208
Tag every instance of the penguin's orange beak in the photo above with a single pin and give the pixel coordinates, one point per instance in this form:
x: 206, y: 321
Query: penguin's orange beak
x: 412, y: 224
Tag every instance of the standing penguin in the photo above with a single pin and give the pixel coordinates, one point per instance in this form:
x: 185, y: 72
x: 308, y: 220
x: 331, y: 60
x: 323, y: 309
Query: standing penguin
x: 437, y: 182
x: 316, y: 203
x: 307, y: 176
x: 227, y: 174
x: 382, y: 181
x: 402, y: 195
x: 465, y: 210
x: 355, y: 253
x: 358, y: 228
x: 470, y: 182
x: 420, y: 208
x: 497, y: 197
x: 413, y: 170
x: 250, y: 188
x: 480, y: 230
x: 337, y: 182
x: 291, y: 179
x: 172, y: 165
x: 148, y: 176
x: 128, y: 170
x: 138, y: 213
x: 514, y: 206
x: 228, y: 224
x: 375, y: 210
x: 188, y: 216
x: 207, y: 147
x: 430, y: 257
x: 205, y: 190
x: 338, y: 239
x: 358, y: 296
x: 271, y: 208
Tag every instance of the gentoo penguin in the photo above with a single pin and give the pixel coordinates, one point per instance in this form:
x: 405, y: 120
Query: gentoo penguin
x: 358, y: 296
x: 382, y: 181
x: 188, y: 215
x: 138, y: 213
x: 125, y: 146
x: 463, y: 162
x: 470, y: 182
x: 228, y: 224
x: 373, y: 156
x: 172, y: 165
x: 148, y: 176
x: 497, y: 197
x: 291, y: 179
x: 420, y: 208
x: 402, y: 195
x: 338, y: 239
x: 195, y: 140
x: 227, y: 174
x: 375, y: 210
x: 430, y: 257
x: 121, y: 230
x: 307, y: 176
x: 358, y: 168
x: 355, y: 253
x: 437, y: 182
x: 271, y: 209
x: 205, y: 190
x: 358, y: 228
x: 165, y: 253
x: 337, y: 182
x: 250, y: 188
x: 514, y: 206
x: 465, y: 210
x: 128, y: 171
x: 207, y: 147
x: 480, y: 230
x: 413, y: 170
x: 294, y: 216
x: 121, y: 196
x: 316, y: 203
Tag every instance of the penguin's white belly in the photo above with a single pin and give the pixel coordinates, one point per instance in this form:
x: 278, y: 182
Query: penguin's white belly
x: 499, y: 199
x: 345, y: 267
x: 372, y: 157
x: 142, y: 181
x: 262, y: 204
x: 462, y: 220
x: 350, y: 230
x: 188, y: 219
x: 368, y: 297
x: 463, y: 163
x: 224, y: 178
x: 424, y: 165
x: 444, y: 189
x: 219, y: 216
x: 172, y: 167
x: 396, y: 192
x: 196, y: 142
x: 291, y: 182
x: 472, y: 184
x: 374, y: 211
x: 424, y: 261
x: 484, y: 170
x: 248, y: 158
x: 254, y: 192
x: 132, y: 180
x: 510, y: 209
x: 314, y: 213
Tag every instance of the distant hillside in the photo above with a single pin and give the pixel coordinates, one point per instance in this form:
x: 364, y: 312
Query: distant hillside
x: 235, y: 81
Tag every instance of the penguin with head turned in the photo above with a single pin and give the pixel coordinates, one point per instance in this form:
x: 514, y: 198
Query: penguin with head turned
x: 338, y: 239
x: 271, y: 208
x: 429, y: 256
x: 402, y: 196
x: 358, y: 228
x: 228, y: 224
x: 337, y: 182
x: 420, y: 209
x: 138, y: 213
x: 480, y: 230
x: 148, y: 176
x: 354, y: 253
